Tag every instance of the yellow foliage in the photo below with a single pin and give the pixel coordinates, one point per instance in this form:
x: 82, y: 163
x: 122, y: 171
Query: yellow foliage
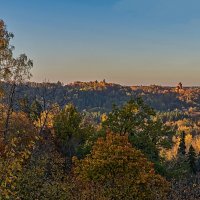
x: 47, y: 117
x: 21, y: 141
x: 104, y: 117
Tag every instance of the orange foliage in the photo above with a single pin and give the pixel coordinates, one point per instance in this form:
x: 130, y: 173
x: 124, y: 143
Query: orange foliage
x: 120, y: 171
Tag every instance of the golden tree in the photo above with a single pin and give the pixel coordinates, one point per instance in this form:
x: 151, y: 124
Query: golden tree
x: 116, y: 170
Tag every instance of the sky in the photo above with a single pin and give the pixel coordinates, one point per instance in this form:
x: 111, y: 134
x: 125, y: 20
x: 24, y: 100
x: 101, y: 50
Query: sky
x: 131, y: 42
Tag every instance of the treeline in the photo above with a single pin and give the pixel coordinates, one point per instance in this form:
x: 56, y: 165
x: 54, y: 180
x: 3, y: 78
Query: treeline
x: 101, y: 97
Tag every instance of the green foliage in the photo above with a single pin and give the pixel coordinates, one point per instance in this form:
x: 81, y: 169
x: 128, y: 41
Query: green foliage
x: 182, y: 146
x: 192, y: 159
x: 12, y: 69
x: 69, y: 130
x: 35, y: 110
x: 5, y: 50
x: 177, y: 168
x: 91, y: 138
x: 146, y: 132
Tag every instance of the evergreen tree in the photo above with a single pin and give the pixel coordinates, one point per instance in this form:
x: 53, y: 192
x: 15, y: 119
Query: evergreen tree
x: 192, y: 159
x: 145, y: 130
x: 182, y: 146
x: 198, y: 163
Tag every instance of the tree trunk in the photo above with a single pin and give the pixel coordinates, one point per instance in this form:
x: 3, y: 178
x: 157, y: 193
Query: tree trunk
x: 10, y: 110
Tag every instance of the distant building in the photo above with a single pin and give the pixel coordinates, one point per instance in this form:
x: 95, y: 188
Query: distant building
x: 179, y: 87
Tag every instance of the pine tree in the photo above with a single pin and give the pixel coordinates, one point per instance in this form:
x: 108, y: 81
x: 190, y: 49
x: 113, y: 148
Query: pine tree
x: 198, y: 163
x: 145, y: 130
x: 192, y: 159
x: 182, y: 146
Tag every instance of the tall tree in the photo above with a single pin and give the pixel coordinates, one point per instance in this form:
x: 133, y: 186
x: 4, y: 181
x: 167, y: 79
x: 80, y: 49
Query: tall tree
x: 116, y: 170
x: 145, y: 130
x: 182, y: 146
x: 35, y: 110
x: 68, y: 130
x: 12, y: 70
x: 192, y: 159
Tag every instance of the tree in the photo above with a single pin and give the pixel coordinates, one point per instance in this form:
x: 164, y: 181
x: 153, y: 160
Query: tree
x: 35, y: 110
x: 145, y: 130
x: 48, y: 105
x: 192, y: 159
x: 43, y: 177
x: 16, y: 140
x: 182, y: 146
x: 116, y: 170
x: 68, y: 130
x: 5, y: 50
x: 22, y: 140
x: 12, y: 70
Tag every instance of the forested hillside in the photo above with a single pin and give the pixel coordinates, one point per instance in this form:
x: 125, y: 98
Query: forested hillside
x: 95, y: 140
x: 100, y: 96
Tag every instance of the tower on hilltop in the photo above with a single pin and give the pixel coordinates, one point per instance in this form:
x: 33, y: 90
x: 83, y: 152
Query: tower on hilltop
x: 179, y: 87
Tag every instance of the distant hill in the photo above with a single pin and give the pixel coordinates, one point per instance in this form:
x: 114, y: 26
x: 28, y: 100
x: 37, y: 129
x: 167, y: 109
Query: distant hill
x: 97, y: 96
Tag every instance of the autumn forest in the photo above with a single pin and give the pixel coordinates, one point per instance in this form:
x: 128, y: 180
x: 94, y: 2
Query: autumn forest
x: 94, y: 140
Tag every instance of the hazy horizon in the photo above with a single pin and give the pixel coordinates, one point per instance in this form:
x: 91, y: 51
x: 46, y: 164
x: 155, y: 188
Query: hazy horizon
x: 130, y: 42
x: 110, y: 82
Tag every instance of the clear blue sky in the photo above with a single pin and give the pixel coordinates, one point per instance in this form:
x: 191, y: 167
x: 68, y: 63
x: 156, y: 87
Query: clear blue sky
x: 131, y: 42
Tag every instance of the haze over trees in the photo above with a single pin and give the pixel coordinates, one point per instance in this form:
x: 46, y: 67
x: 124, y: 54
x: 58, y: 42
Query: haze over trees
x: 94, y: 140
